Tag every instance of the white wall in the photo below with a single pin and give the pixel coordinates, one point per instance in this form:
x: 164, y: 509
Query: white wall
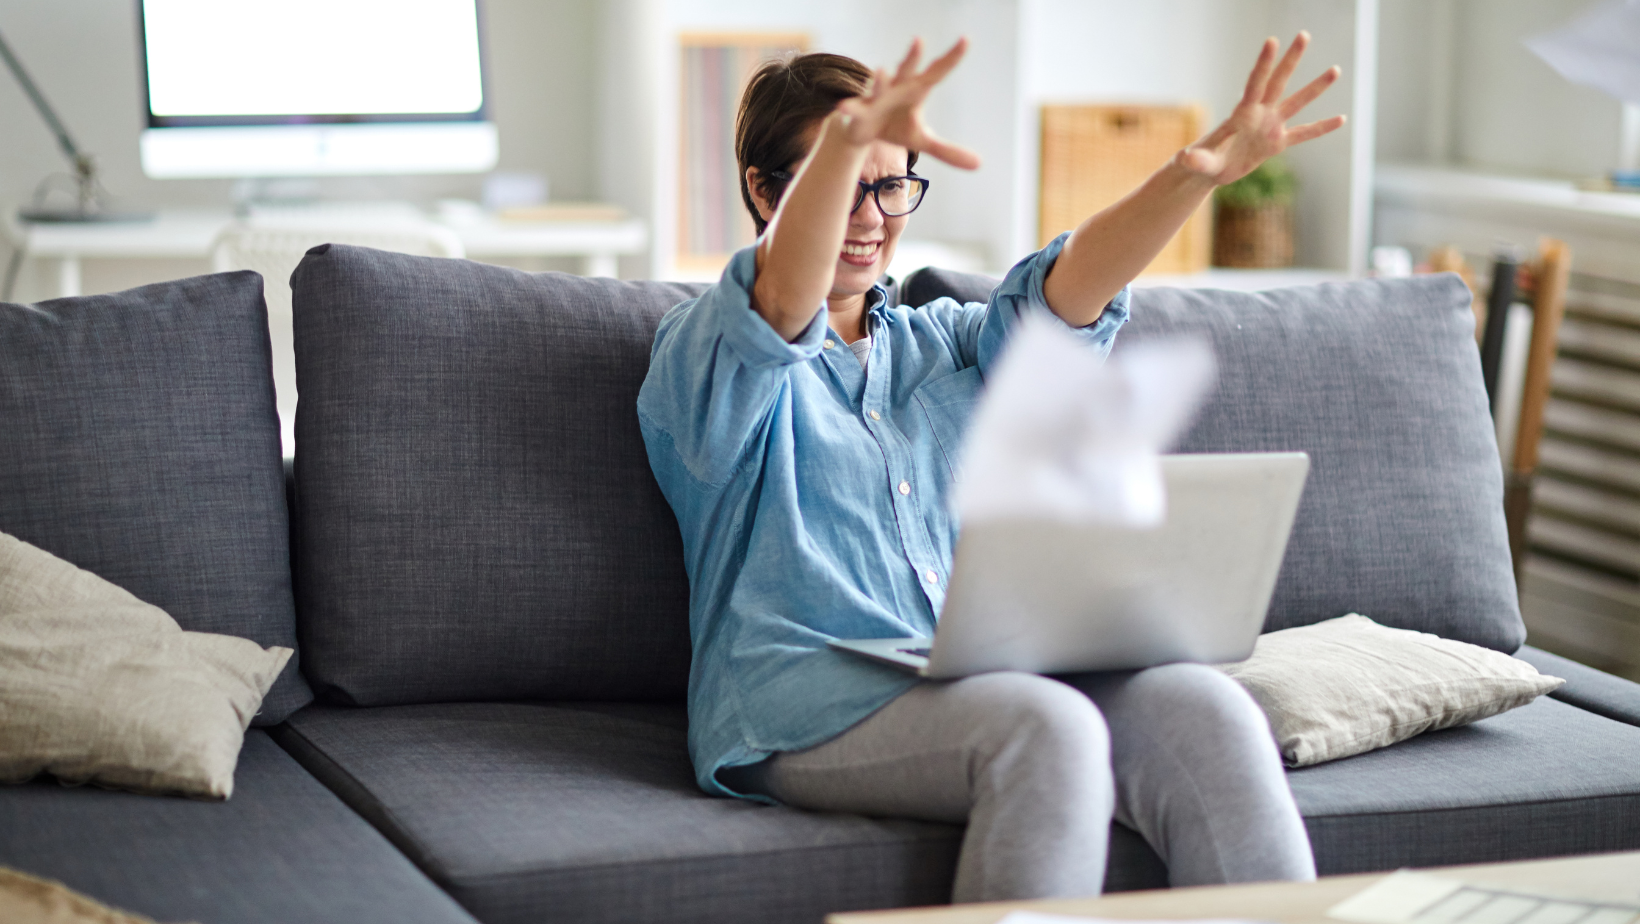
x: 1029, y: 52
x: 1323, y: 212
x: 1159, y: 51
x: 634, y: 53
x: 1508, y: 110
x: 1175, y: 51
x: 974, y: 107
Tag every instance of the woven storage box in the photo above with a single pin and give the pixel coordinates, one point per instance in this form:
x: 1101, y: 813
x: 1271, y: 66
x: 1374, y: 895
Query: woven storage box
x: 1094, y: 155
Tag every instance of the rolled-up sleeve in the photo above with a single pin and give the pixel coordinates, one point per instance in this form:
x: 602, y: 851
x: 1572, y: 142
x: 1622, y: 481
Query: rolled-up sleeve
x: 716, y: 370
x: 1021, y: 292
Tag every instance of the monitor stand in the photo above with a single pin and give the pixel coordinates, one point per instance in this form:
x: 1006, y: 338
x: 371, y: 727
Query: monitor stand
x: 72, y: 216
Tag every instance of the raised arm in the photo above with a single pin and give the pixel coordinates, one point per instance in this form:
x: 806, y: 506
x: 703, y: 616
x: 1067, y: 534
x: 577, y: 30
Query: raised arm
x: 798, y: 252
x: 1109, y: 249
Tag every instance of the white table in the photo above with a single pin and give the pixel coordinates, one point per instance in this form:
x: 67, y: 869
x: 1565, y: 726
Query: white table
x: 1613, y: 877
x: 183, y: 234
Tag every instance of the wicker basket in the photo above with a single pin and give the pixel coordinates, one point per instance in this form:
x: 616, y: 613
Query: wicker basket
x: 1259, y: 237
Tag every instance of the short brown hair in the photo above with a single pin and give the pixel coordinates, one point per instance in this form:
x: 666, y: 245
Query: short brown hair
x: 784, y: 97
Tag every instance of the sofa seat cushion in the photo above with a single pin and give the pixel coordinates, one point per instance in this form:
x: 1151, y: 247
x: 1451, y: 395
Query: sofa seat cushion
x: 1546, y: 779
x: 592, y: 814
x: 591, y: 811
x: 283, y: 849
x: 1587, y: 688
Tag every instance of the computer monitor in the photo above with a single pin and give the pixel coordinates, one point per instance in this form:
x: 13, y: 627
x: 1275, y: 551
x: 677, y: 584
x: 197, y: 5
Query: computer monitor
x: 251, y: 88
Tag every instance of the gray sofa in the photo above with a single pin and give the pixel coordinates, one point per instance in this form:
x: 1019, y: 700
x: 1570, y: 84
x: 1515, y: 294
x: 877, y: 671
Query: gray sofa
x: 485, y: 719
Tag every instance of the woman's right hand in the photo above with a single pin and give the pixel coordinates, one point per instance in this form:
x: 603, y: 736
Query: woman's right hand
x: 892, y: 109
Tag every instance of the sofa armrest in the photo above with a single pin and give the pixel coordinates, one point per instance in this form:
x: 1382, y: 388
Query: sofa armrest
x: 1587, y: 688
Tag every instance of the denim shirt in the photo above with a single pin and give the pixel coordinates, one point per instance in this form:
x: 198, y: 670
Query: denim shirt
x: 813, y: 496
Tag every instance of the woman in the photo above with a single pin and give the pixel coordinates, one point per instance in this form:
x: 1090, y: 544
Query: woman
x: 802, y: 430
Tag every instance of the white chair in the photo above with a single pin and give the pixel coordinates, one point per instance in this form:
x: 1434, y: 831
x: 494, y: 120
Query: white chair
x: 274, y: 250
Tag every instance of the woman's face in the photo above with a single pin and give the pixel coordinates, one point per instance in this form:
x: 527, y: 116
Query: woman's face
x: 868, y: 245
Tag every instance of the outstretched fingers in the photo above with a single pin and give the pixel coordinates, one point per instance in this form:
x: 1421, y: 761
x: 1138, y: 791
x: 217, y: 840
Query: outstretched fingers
x: 1260, y: 76
x: 880, y: 83
x: 908, y: 66
x: 1312, y: 130
x: 939, y: 67
x: 1309, y: 92
x: 954, y: 154
x: 890, y: 108
x: 1284, y: 71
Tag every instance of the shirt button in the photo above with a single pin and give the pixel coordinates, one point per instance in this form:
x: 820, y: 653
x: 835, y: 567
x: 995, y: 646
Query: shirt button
x: 905, y: 488
x: 829, y: 344
x: 875, y: 415
x: 931, y: 576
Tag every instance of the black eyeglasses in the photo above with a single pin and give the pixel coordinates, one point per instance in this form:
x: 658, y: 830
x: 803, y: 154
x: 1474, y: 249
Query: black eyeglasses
x: 895, y: 195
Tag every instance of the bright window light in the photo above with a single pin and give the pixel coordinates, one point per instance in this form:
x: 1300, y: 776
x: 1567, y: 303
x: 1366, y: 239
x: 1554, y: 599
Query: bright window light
x: 312, y: 57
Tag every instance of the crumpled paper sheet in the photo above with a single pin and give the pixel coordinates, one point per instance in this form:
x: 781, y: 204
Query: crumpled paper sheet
x: 1600, y: 49
x: 1061, y: 434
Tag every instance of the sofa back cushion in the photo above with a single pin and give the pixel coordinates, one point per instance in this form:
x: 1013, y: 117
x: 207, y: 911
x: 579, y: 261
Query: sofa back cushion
x: 139, y: 440
x: 1379, y: 381
x: 475, y: 514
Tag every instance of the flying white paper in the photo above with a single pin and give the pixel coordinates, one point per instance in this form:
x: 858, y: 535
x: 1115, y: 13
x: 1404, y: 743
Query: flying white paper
x: 1062, y: 435
x: 1600, y: 49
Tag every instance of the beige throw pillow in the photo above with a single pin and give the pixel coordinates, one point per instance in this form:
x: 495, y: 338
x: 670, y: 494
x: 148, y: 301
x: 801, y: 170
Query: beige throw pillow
x: 1350, y: 685
x: 97, y: 686
x: 26, y: 899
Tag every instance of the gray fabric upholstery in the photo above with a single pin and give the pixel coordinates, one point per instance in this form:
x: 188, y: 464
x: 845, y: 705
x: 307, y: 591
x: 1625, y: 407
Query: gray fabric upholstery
x: 1589, y: 689
x: 591, y: 810
x: 594, y: 814
x: 1546, y: 779
x: 141, y: 442
x: 1379, y: 381
x: 283, y: 849
x: 476, y: 517
x: 929, y: 283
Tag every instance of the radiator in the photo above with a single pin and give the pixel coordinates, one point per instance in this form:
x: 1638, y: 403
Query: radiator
x: 1580, y: 584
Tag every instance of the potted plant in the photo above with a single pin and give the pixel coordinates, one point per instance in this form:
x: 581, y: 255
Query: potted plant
x: 1253, y: 225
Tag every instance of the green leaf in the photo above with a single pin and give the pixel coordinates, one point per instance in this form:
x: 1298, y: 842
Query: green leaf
x: 1271, y: 183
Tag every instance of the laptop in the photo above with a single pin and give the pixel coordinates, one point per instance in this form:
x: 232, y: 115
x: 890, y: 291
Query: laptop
x: 1050, y: 598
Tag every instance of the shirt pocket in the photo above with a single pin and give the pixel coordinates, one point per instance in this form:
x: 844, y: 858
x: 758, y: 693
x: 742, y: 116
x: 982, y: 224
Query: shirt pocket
x: 949, y: 402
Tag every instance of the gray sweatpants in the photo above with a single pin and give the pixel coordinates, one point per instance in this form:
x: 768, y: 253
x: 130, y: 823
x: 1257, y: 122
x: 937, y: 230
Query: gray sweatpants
x: 1037, y: 766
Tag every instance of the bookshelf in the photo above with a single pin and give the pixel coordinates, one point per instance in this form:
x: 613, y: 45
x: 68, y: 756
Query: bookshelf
x: 713, y: 70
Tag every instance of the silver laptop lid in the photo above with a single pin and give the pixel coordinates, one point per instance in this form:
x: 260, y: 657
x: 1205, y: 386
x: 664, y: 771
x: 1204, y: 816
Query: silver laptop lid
x: 1050, y: 598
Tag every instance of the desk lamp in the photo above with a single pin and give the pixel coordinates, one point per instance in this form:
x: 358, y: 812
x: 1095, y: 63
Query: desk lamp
x: 89, y: 205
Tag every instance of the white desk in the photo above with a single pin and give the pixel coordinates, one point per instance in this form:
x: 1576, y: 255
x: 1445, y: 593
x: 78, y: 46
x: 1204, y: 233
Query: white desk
x: 190, y: 234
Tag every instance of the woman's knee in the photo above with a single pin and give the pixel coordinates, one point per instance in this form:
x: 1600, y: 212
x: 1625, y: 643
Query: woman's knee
x: 1039, y: 719
x: 1202, y: 692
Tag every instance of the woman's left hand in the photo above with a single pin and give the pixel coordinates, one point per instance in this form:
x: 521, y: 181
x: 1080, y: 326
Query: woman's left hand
x: 1257, y: 129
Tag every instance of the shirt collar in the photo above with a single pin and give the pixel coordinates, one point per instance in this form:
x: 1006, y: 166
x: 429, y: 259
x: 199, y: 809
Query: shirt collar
x: 877, y: 300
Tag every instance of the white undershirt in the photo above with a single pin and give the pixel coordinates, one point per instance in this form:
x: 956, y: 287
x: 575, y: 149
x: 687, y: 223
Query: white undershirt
x: 862, y: 349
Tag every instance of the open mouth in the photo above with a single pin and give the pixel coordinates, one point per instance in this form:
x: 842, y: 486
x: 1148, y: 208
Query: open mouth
x: 861, y: 254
